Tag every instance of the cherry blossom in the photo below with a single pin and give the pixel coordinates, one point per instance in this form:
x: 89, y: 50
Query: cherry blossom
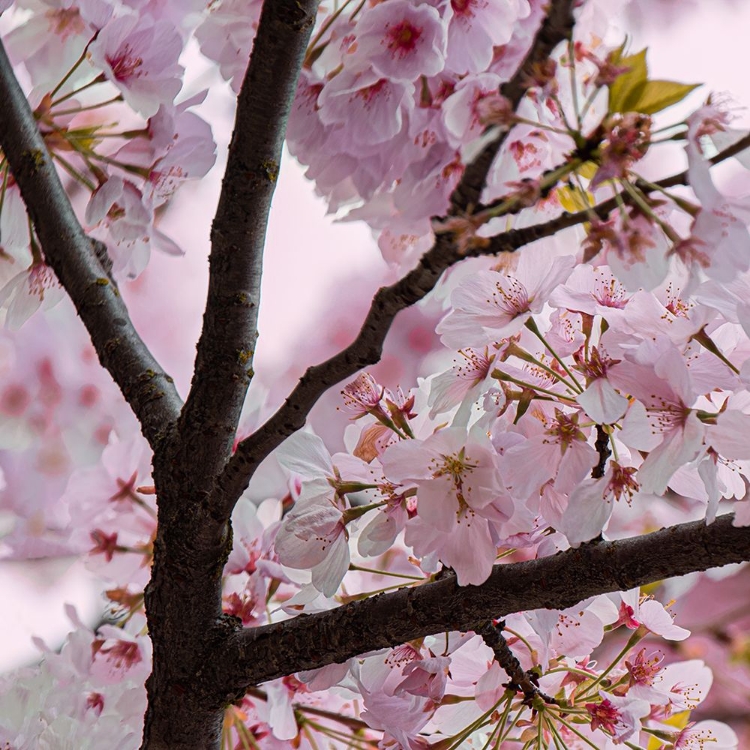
x: 636, y: 611
x: 122, y: 216
x: 401, y: 41
x: 492, y: 305
x: 139, y: 55
x: 695, y: 736
x: 475, y: 27
x: 36, y: 287
x: 375, y: 105
x: 314, y: 535
x: 719, y: 238
x: 619, y: 717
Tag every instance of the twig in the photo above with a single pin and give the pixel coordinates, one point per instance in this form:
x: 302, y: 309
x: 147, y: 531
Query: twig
x: 603, y: 449
x: 520, y: 680
x: 556, y: 27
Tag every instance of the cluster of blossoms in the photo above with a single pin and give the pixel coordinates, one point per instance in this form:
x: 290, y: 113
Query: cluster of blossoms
x: 599, y: 383
x: 104, y: 78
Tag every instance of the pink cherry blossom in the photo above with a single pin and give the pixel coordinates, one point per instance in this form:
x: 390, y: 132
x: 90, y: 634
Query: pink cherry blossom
x: 713, y: 734
x: 180, y: 147
x: 475, y: 27
x: 560, y: 452
x: 600, y: 400
x: 401, y: 40
x: 576, y: 631
x: 661, y: 421
x: 451, y: 472
x: 371, y: 105
x: 51, y: 41
x: 462, y: 383
x: 590, y: 290
x: 313, y: 534
x: 226, y: 36
x: 139, y: 55
x: 618, y: 716
x: 719, y: 238
x: 461, y: 111
x: 636, y: 611
x: 28, y: 291
x: 685, y: 684
x: 491, y: 305
x: 120, y: 214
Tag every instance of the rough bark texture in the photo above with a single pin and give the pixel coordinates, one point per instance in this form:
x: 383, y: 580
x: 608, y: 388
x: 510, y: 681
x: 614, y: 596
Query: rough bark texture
x: 194, y: 538
x: 557, y: 582
x: 223, y: 366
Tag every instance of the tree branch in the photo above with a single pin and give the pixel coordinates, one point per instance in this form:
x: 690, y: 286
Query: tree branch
x: 366, y: 349
x: 556, y: 27
x: 72, y: 255
x: 520, y: 681
x: 194, y: 539
x: 512, y: 240
x: 254, y: 655
x: 226, y: 348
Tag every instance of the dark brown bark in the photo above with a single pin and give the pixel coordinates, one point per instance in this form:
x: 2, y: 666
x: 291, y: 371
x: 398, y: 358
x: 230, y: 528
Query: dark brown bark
x: 557, y: 582
x: 226, y: 349
x: 194, y: 538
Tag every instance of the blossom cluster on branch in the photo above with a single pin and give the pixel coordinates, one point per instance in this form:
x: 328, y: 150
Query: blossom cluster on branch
x: 595, y: 376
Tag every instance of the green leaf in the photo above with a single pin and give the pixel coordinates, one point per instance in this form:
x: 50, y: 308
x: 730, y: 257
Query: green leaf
x: 624, y: 86
x: 654, y: 96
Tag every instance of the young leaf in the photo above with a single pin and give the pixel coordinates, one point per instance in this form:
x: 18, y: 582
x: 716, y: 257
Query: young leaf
x: 654, y: 96
x: 627, y: 83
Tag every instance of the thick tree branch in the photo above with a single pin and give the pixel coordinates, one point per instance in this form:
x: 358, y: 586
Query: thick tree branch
x: 223, y: 367
x: 193, y: 541
x: 72, y: 255
x: 255, y: 655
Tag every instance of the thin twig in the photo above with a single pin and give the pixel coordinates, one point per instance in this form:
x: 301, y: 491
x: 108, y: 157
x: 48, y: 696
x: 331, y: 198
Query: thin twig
x: 556, y: 27
x: 521, y: 681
